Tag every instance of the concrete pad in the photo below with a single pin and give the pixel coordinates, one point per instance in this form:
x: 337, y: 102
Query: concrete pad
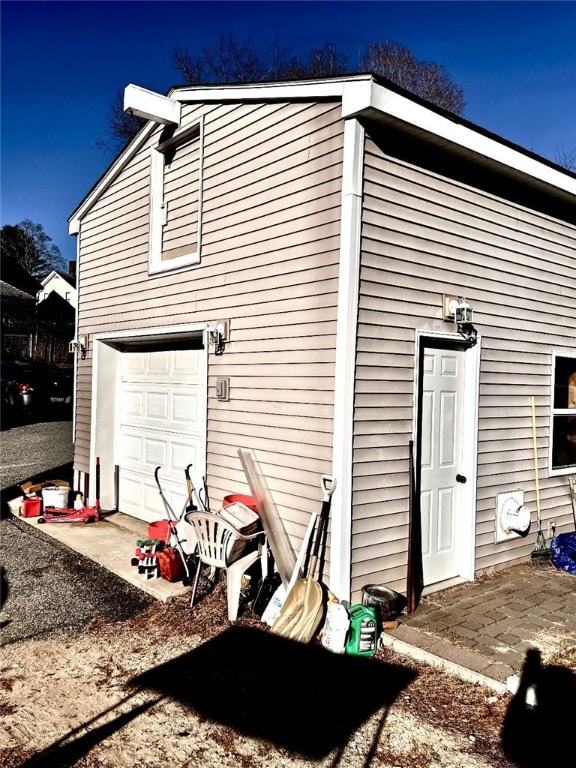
x: 111, y: 542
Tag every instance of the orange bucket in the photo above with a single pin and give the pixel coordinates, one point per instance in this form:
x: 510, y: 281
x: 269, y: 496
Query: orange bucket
x: 160, y: 530
x: 240, y: 498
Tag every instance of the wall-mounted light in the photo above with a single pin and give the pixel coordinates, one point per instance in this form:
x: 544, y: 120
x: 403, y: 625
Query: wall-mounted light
x: 79, y: 345
x: 218, y: 335
x: 460, y: 312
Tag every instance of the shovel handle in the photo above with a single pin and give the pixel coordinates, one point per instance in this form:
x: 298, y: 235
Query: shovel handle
x: 328, y: 485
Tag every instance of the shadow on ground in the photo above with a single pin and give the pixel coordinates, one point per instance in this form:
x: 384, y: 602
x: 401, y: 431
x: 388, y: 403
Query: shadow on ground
x: 540, y: 720
x: 301, y: 698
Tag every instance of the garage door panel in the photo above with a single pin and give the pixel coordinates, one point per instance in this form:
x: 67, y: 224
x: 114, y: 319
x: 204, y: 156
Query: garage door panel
x: 134, y: 365
x: 141, y: 497
x: 185, y: 408
x: 130, y: 489
x: 132, y: 404
x: 184, y: 366
x: 188, y: 368
x: 131, y: 449
x: 157, y: 407
x: 155, y: 452
x: 161, y: 408
x: 184, y: 454
x: 159, y: 364
x: 143, y: 452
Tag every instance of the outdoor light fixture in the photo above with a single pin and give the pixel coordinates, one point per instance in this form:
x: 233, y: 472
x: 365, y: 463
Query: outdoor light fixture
x: 218, y: 335
x: 462, y: 312
x: 79, y: 345
x: 459, y: 311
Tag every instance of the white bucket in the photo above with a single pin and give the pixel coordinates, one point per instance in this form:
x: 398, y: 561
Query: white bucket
x: 55, y: 496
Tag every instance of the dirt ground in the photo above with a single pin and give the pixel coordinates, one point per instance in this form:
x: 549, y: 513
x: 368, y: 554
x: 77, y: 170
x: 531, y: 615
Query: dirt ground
x: 185, y: 688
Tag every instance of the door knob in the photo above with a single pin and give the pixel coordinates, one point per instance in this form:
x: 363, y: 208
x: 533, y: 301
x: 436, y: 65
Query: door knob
x: 460, y: 479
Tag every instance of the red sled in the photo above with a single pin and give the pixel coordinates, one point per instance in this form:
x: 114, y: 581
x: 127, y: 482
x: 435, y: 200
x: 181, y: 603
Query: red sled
x: 66, y: 515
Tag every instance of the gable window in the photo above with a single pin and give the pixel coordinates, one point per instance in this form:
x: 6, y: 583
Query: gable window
x: 176, y: 200
x: 563, y: 435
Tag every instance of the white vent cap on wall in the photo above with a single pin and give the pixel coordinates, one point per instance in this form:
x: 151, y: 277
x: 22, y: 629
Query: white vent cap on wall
x: 515, y: 517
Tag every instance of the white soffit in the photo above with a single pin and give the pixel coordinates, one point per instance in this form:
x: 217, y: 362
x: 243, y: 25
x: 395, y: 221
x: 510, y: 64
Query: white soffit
x: 151, y: 106
x: 373, y: 100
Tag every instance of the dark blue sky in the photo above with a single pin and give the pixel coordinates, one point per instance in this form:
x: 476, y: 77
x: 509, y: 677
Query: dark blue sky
x: 63, y: 62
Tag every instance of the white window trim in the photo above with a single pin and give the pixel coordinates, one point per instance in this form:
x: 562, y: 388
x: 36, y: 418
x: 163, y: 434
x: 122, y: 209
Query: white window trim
x: 157, y: 208
x: 554, y: 472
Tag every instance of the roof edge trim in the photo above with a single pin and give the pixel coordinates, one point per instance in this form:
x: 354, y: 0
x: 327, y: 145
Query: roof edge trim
x: 314, y: 89
x: 367, y: 98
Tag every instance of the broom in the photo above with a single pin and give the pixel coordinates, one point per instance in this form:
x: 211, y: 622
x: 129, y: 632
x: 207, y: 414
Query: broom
x: 541, y: 552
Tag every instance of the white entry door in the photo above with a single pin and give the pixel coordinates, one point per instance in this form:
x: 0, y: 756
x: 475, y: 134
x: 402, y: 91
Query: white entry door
x: 161, y: 423
x: 441, y: 462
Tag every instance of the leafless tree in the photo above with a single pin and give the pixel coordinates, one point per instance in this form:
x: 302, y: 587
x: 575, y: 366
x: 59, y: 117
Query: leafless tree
x: 234, y: 61
x: 231, y: 61
x: 122, y: 126
x: 566, y: 158
x: 189, y: 67
x: 426, y: 79
x: 27, y: 245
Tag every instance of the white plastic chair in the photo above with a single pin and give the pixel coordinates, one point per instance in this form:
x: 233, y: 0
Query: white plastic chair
x: 220, y: 545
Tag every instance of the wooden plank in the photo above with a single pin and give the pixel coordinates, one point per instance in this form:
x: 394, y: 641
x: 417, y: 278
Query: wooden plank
x: 278, y: 540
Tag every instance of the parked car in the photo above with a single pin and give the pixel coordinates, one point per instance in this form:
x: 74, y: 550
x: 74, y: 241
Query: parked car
x: 19, y: 385
x: 34, y: 388
x: 59, y: 385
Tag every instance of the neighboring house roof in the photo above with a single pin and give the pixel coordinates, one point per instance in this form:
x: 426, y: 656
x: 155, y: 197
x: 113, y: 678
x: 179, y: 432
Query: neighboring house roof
x: 57, y: 273
x: 10, y: 292
x: 362, y: 96
x: 61, y: 283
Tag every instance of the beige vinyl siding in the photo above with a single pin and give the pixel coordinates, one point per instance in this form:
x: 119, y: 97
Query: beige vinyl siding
x: 269, y: 263
x: 425, y: 235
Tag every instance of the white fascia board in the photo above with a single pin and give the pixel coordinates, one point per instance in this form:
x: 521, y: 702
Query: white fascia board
x: 345, y: 369
x: 49, y: 277
x: 151, y: 106
x: 302, y: 89
x: 368, y: 97
x: 108, y: 177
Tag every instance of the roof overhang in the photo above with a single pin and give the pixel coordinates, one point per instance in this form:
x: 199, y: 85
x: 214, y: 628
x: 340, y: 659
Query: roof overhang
x: 371, y: 100
x: 363, y: 97
x: 151, y: 106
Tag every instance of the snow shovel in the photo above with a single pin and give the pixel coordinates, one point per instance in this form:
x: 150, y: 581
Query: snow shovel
x: 303, y: 608
x: 280, y: 593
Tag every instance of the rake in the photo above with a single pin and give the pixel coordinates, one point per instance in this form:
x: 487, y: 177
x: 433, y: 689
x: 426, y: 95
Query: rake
x: 541, y: 553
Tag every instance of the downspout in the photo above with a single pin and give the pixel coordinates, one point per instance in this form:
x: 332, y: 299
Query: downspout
x: 345, y: 368
x: 74, y: 230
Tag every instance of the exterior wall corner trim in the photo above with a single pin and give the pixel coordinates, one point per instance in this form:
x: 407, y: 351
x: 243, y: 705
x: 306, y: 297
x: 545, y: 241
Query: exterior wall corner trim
x: 349, y: 275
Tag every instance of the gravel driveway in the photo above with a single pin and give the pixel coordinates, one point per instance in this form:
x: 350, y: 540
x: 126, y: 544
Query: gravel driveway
x: 47, y: 587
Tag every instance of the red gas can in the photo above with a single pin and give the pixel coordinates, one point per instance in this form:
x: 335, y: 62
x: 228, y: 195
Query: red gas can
x: 31, y: 507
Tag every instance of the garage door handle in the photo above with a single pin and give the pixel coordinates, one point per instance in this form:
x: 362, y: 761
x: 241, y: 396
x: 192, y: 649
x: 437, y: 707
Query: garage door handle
x: 460, y: 479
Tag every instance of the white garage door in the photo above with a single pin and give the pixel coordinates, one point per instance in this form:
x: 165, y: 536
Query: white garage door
x: 161, y: 422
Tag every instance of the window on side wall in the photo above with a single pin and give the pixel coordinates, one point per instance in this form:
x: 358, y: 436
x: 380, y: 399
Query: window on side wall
x: 176, y: 200
x: 563, y: 436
